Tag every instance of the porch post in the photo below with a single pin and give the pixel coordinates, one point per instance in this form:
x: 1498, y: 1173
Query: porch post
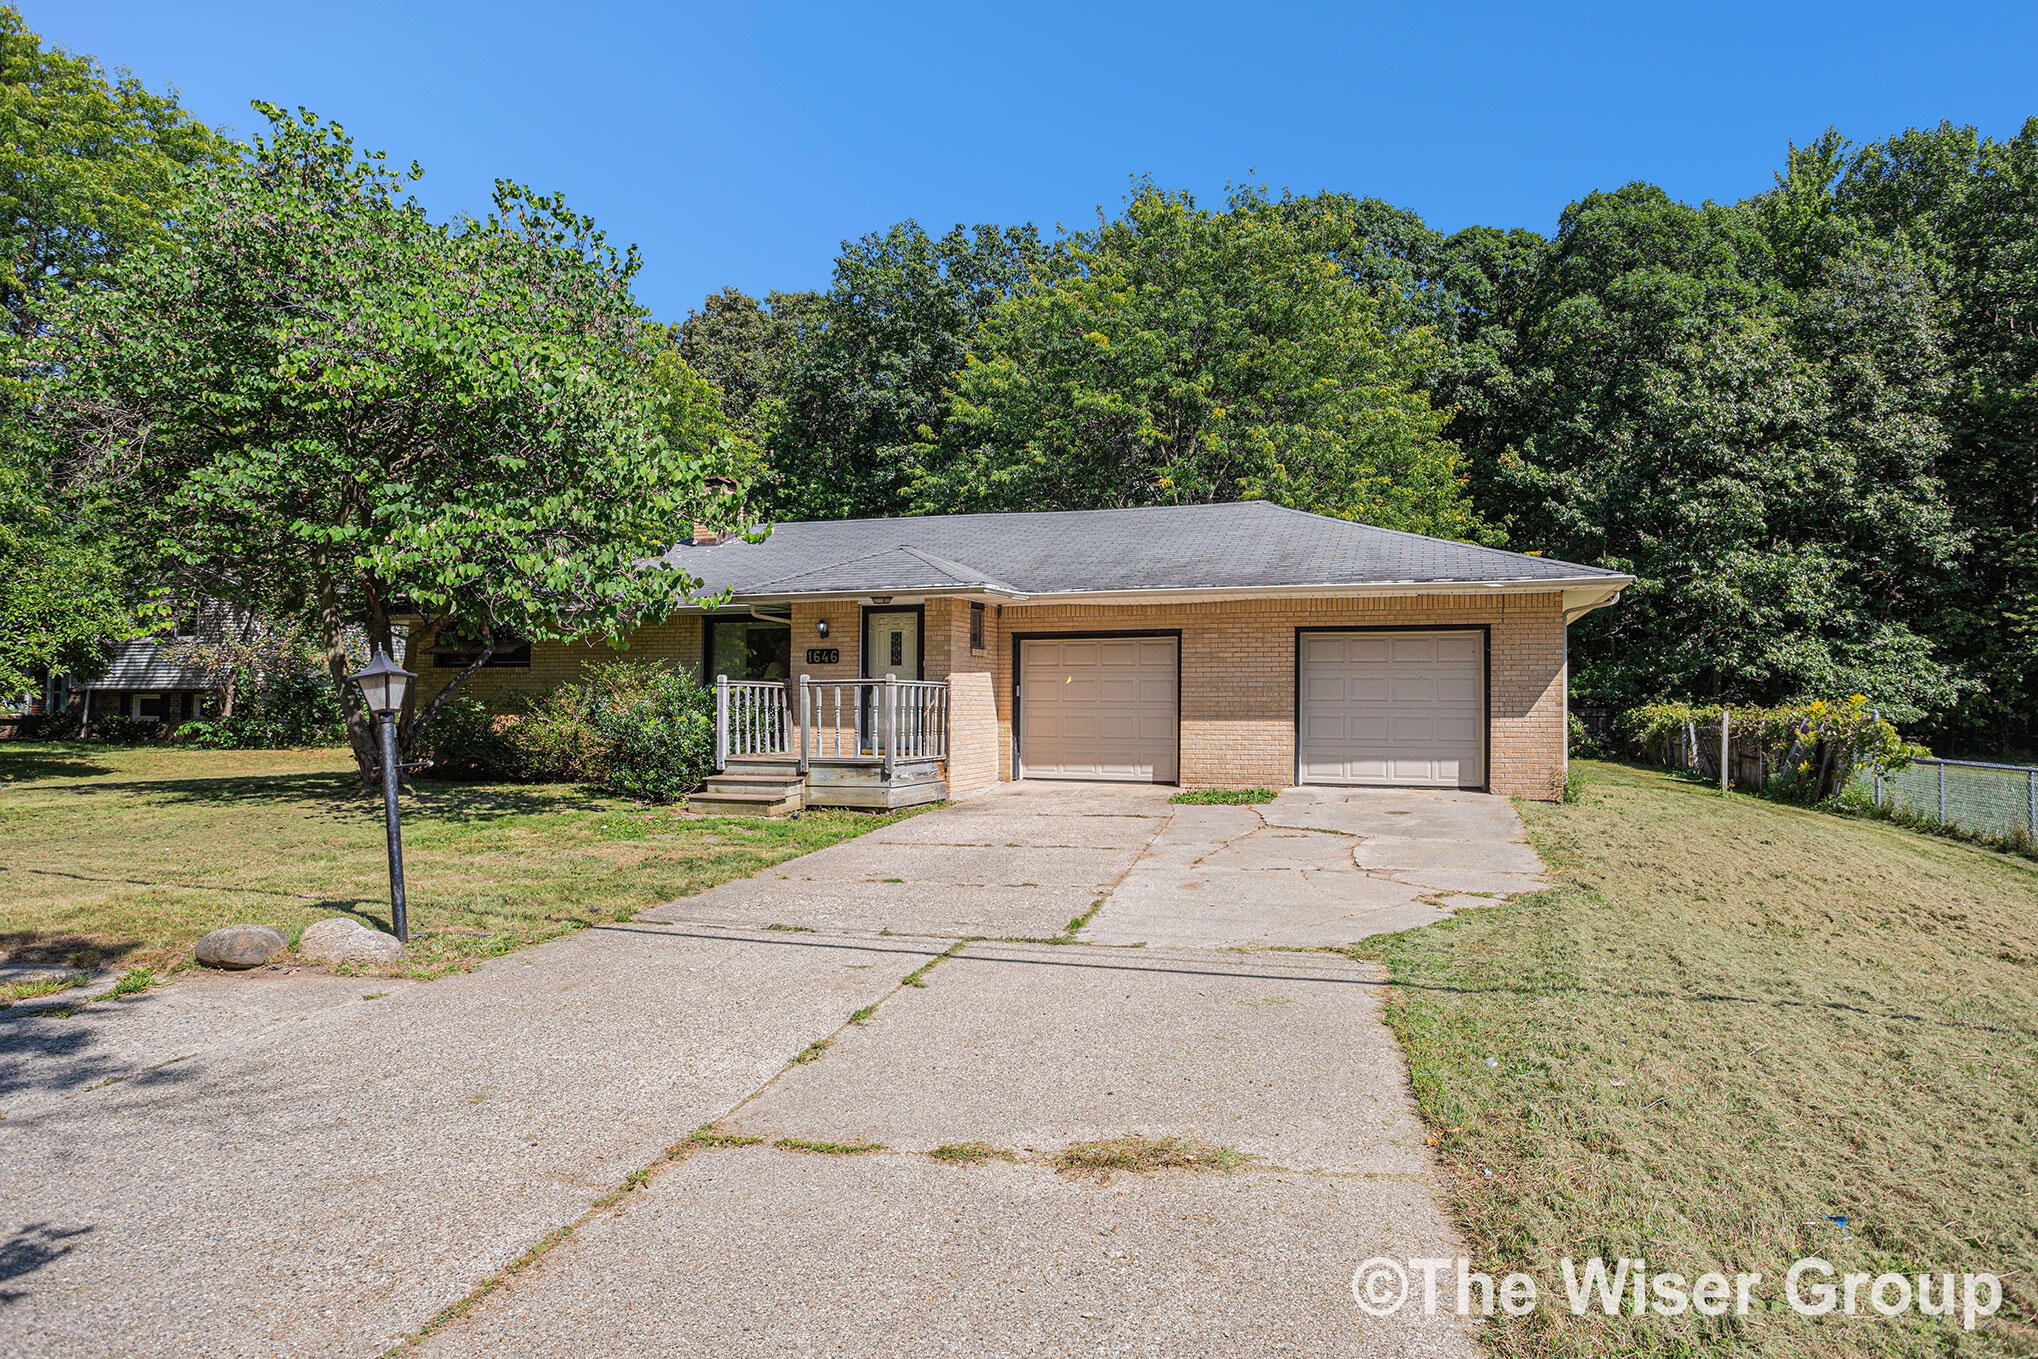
x: 891, y: 725
x: 806, y: 727
x: 721, y: 723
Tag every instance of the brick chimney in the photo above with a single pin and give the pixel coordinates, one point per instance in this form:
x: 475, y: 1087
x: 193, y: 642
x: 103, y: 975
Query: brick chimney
x: 721, y: 488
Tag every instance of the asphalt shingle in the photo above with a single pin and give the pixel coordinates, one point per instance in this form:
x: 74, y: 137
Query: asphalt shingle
x: 1248, y: 545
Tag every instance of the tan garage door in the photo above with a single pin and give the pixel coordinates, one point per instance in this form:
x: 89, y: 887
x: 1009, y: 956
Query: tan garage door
x: 1097, y: 708
x: 1403, y: 708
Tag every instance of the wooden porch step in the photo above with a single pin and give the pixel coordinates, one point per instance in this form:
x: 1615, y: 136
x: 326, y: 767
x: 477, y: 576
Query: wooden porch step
x: 748, y: 800
x: 755, y: 778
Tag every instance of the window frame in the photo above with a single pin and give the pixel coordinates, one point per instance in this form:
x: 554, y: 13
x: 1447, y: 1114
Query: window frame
x: 511, y: 653
x: 748, y: 620
x: 978, y: 627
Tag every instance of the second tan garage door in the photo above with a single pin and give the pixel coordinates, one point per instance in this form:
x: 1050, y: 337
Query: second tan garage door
x: 1098, y: 708
x: 1404, y: 708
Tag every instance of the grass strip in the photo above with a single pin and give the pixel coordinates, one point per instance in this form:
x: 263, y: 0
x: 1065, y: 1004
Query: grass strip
x: 1224, y: 797
x: 1733, y: 1035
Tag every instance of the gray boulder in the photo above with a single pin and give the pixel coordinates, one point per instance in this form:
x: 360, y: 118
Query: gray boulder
x: 341, y: 941
x: 241, y: 946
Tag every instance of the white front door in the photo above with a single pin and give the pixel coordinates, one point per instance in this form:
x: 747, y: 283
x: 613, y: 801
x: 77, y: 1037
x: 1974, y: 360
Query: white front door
x: 891, y: 648
x: 1098, y: 708
x: 1406, y: 708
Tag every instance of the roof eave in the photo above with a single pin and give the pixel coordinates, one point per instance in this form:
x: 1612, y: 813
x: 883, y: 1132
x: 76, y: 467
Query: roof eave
x: 1582, y: 594
x: 1604, y: 586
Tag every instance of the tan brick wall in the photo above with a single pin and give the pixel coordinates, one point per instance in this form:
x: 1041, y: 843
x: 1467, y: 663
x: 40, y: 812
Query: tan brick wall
x: 972, y: 697
x: 677, y: 641
x: 1238, y: 675
x: 1238, y: 678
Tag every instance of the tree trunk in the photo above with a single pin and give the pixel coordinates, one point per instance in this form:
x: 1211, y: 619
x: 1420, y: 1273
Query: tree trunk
x: 332, y: 631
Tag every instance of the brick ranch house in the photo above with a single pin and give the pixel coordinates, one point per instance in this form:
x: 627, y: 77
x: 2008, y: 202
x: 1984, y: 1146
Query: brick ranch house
x: 1211, y: 646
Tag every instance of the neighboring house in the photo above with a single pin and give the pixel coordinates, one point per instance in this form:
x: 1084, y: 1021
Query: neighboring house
x: 1236, y: 645
x: 142, y: 682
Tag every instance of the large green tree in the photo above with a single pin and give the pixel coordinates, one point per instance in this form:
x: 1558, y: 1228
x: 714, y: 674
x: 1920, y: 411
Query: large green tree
x: 316, y: 386
x: 1179, y: 354
x: 751, y: 351
x: 1762, y: 458
x: 91, y: 166
x: 876, y: 357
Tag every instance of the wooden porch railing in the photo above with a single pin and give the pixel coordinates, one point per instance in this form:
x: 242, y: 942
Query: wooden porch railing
x: 750, y: 720
x: 865, y: 719
x: 835, y: 720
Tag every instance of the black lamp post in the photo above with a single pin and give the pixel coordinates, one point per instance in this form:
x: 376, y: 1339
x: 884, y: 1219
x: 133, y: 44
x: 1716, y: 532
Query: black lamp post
x: 383, y: 684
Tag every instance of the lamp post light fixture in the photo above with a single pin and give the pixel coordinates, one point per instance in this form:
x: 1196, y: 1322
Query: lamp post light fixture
x: 383, y: 685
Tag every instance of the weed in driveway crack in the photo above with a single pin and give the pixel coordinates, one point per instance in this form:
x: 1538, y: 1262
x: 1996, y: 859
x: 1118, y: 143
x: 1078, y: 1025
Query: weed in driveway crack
x: 708, y: 1136
x: 917, y: 976
x: 828, y: 1148
x: 1075, y: 925
x: 970, y: 1154
x: 1139, y: 1155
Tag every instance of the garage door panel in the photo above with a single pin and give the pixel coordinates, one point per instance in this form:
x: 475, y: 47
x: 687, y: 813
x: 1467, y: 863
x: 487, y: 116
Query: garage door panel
x: 1098, y: 708
x: 1383, y: 707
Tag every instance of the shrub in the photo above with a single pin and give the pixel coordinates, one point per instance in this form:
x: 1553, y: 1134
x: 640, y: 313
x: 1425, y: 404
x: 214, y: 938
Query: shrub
x: 657, y: 729
x: 644, y: 730
x: 126, y: 731
x: 466, y: 740
x: 49, y: 727
x: 1808, y: 748
x: 295, y: 708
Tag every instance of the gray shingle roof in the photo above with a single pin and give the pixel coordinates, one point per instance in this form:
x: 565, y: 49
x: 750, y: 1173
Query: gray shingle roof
x: 1251, y: 545
x: 142, y: 665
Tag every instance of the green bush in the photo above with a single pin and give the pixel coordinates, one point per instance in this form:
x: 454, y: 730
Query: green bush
x: 644, y: 730
x: 49, y: 727
x: 126, y: 731
x: 466, y: 740
x: 297, y: 708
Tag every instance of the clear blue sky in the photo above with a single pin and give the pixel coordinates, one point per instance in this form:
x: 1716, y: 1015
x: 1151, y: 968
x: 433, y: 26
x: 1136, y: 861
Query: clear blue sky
x: 738, y: 144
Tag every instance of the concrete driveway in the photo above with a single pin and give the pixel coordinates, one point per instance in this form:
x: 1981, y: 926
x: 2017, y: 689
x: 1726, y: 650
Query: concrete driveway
x: 1317, y: 866
x: 252, y: 1166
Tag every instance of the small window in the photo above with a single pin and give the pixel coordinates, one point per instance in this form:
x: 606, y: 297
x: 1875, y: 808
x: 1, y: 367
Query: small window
x: 455, y: 654
x: 749, y: 649
x: 976, y: 627
x: 148, y: 707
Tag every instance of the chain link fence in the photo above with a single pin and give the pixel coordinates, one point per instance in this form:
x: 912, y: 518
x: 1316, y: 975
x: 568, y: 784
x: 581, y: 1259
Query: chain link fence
x: 1988, y: 799
x: 1973, y: 796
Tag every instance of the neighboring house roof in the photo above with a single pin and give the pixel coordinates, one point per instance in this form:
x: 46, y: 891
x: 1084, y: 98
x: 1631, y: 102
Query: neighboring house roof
x: 1253, y: 546
x: 142, y: 665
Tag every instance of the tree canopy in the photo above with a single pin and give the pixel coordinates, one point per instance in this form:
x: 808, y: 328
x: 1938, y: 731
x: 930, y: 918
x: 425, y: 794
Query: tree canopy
x: 1804, y: 421
x: 90, y: 167
x: 1179, y: 354
x: 469, y: 422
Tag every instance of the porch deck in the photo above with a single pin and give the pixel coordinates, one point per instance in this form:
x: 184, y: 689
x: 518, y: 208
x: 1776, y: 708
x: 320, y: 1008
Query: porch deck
x: 872, y: 745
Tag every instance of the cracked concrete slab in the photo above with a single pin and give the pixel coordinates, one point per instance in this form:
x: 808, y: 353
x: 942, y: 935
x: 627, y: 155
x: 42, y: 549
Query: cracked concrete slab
x: 1319, y: 866
x: 1021, y: 829
x: 1033, y: 1047
x: 318, y: 1174
x: 322, y: 1186
x: 945, y: 909
x: 760, y: 1252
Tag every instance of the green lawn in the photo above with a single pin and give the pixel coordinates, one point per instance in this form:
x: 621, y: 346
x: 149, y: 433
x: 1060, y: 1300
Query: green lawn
x: 1729, y: 1024
x: 125, y: 856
